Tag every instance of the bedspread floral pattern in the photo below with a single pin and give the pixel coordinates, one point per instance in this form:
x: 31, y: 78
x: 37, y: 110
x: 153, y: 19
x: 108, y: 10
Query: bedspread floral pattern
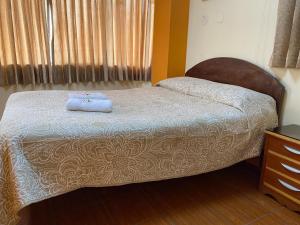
x: 46, y: 151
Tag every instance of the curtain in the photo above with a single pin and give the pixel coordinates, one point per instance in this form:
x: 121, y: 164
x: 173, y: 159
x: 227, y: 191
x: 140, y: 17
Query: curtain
x: 24, y: 48
x: 65, y: 41
x: 287, y: 39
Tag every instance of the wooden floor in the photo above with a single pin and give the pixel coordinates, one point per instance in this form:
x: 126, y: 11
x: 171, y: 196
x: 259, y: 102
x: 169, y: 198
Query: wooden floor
x: 228, y: 196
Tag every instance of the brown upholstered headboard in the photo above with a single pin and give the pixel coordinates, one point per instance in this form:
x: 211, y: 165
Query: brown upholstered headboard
x: 241, y: 73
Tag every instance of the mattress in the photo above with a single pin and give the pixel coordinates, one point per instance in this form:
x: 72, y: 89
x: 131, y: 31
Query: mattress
x: 153, y: 133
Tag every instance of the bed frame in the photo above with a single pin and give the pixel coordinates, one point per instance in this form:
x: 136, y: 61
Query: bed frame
x: 241, y: 73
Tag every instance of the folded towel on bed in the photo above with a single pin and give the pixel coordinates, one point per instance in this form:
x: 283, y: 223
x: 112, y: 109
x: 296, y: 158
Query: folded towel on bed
x: 89, y: 105
x: 86, y: 95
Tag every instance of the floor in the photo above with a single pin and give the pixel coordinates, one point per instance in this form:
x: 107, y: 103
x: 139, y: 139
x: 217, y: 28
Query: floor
x: 229, y: 196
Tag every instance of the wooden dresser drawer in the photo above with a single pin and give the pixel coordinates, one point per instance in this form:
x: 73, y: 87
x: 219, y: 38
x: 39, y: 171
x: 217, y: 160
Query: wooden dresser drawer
x: 284, y: 147
x: 283, y: 165
x: 282, y: 186
x: 280, y: 175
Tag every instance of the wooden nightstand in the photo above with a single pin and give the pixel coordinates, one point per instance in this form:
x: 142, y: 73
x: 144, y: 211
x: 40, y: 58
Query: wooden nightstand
x: 281, y: 166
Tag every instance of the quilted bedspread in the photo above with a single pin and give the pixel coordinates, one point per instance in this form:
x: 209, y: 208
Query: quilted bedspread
x: 152, y: 134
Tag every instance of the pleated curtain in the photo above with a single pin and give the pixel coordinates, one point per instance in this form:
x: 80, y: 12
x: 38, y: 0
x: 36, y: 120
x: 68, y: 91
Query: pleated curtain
x: 65, y: 41
x: 24, y: 44
x: 287, y: 39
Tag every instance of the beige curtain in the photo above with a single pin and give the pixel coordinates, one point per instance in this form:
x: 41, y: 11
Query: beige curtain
x: 24, y: 49
x: 287, y: 40
x: 65, y: 41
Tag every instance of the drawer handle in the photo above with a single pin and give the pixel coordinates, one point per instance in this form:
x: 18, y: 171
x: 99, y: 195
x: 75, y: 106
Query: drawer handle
x: 289, y: 168
x: 292, y: 150
x: 288, y: 186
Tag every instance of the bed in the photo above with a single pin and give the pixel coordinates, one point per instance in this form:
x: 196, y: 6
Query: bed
x: 182, y: 127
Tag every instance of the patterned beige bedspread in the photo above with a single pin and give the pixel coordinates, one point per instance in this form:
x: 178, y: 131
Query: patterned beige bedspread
x: 153, y: 134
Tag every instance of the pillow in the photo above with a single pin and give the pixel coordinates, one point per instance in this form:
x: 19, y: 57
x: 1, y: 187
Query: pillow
x: 235, y: 96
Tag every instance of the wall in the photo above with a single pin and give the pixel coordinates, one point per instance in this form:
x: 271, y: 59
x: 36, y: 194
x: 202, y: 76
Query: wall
x: 178, y: 37
x: 161, y: 39
x: 243, y: 29
x: 169, y: 38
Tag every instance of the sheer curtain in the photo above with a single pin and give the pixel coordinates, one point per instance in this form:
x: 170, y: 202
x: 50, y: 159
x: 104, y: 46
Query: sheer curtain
x: 65, y: 41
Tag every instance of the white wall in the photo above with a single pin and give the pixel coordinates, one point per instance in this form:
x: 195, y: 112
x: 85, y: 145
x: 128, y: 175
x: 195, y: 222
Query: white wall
x: 243, y: 29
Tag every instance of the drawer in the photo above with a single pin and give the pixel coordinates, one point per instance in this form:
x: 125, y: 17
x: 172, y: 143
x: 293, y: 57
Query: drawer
x: 282, y: 186
x: 283, y: 147
x: 287, y: 167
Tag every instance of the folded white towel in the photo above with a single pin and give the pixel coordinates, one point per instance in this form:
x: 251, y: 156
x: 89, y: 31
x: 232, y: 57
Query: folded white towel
x: 86, y: 95
x: 89, y: 105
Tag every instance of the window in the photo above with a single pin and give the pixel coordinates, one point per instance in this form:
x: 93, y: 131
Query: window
x: 64, y: 41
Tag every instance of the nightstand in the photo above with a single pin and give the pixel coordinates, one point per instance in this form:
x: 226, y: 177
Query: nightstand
x: 280, y: 176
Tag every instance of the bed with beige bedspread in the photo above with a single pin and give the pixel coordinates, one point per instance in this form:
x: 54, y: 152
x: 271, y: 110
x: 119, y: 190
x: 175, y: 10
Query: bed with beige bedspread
x: 183, y: 127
